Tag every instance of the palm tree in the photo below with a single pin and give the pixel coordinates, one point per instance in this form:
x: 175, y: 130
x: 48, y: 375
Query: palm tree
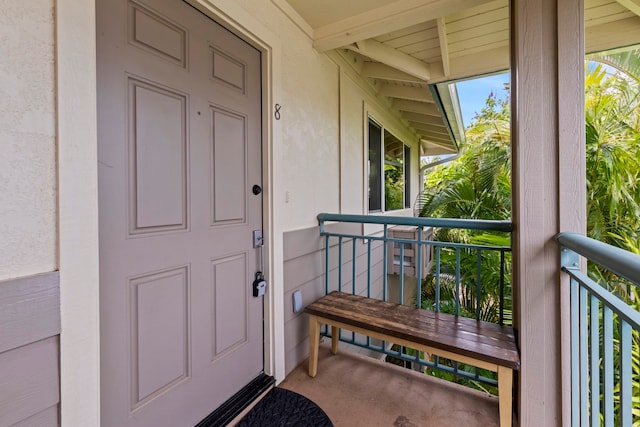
x: 626, y: 61
x: 478, y: 183
x: 613, y: 157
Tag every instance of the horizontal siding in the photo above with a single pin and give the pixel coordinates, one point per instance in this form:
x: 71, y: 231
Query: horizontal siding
x: 29, y: 380
x: 29, y: 310
x: 304, y: 271
x: 30, y: 351
x: 47, y: 418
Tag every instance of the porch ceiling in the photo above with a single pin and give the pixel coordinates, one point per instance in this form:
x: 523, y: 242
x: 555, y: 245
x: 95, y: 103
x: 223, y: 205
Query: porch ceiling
x: 403, y: 46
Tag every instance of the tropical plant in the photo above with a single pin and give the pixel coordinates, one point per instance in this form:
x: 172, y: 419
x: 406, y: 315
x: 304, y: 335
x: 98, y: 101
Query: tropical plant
x: 478, y: 185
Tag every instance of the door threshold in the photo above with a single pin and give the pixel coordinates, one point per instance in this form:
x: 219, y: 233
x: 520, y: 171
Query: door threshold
x: 238, y: 403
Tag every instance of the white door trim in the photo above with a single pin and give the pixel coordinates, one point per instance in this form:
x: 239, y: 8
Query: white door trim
x: 78, y: 197
x: 78, y: 212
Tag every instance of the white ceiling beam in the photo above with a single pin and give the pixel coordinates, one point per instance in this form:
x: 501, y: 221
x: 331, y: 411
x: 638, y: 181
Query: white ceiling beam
x: 444, y: 45
x: 632, y: 5
x: 431, y: 131
x: 445, y: 141
x: 597, y: 38
x: 392, y: 16
x: 427, y: 108
x: 427, y: 142
x: 393, y: 58
x: 435, y: 151
x: 405, y: 92
x: 378, y: 70
x: 423, y: 118
x: 475, y: 64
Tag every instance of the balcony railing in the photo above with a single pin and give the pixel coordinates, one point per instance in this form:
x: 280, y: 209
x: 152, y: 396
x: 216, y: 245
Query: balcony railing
x: 605, y: 337
x: 396, y: 259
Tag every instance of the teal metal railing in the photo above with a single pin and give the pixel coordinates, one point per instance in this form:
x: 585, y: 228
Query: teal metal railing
x: 605, y: 343
x: 385, y: 253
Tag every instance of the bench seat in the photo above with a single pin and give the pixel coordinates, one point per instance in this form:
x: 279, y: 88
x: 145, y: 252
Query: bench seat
x: 477, y: 343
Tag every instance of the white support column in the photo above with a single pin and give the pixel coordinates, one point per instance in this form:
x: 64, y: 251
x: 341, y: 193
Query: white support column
x: 548, y: 190
x: 78, y: 213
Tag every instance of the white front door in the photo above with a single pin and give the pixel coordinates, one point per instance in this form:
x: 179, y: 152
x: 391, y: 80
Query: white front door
x: 179, y: 151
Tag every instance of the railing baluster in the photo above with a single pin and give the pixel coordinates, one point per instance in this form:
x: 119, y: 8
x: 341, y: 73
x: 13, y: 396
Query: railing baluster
x: 478, y: 283
x: 584, y: 355
x: 401, y: 270
x: 575, y: 353
x: 419, y: 269
x: 327, y: 270
x: 353, y: 267
x: 626, y: 378
x: 501, y: 287
x: 340, y: 263
x: 595, y: 360
x: 384, y: 262
x: 437, y: 279
x: 369, y: 268
x: 608, y: 374
x: 457, y: 281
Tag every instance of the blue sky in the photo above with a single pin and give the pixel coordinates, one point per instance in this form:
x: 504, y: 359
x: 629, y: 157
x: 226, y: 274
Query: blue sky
x: 473, y: 93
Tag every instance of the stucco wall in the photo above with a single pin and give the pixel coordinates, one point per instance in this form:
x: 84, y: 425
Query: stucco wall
x: 27, y: 139
x: 324, y: 103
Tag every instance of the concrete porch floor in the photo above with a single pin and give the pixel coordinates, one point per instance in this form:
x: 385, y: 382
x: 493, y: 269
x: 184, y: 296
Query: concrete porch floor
x: 359, y: 391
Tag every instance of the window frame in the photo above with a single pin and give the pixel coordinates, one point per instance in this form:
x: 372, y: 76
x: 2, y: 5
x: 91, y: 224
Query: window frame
x: 381, y: 206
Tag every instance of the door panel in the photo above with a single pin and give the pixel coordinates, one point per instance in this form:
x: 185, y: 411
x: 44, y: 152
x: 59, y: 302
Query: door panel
x: 229, y: 320
x: 160, y: 303
x: 179, y: 149
x: 229, y: 167
x: 158, y: 141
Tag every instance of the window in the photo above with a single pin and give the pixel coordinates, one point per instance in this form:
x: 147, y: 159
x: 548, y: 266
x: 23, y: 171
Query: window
x: 386, y: 164
x: 375, y: 166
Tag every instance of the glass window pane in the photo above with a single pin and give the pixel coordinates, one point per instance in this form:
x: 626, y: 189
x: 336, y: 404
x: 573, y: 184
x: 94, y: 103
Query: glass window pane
x: 393, y: 173
x: 375, y: 164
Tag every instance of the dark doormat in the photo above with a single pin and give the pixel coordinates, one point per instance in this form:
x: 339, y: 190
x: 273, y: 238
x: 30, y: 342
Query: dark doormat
x: 284, y: 408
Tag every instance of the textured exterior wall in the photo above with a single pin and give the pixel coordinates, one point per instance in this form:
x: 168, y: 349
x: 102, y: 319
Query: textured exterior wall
x: 28, y: 211
x: 304, y: 267
x: 323, y: 108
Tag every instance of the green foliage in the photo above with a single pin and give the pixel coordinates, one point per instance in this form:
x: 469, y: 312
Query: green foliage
x: 478, y: 185
x: 393, y: 187
x: 613, y: 187
x: 486, y: 304
x: 613, y: 158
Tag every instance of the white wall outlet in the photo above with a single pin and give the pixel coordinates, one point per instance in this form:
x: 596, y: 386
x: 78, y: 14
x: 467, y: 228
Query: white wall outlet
x: 297, y: 301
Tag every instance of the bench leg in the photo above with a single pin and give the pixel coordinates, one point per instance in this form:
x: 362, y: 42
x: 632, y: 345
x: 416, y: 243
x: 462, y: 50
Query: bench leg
x: 335, y: 339
x: 505, y: 395
x: 314, y: 344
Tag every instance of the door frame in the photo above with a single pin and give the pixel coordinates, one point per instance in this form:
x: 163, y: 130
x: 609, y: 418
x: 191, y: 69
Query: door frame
x: 76, y: 83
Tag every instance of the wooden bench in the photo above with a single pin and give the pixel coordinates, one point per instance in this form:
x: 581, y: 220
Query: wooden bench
x: 481, y: 344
